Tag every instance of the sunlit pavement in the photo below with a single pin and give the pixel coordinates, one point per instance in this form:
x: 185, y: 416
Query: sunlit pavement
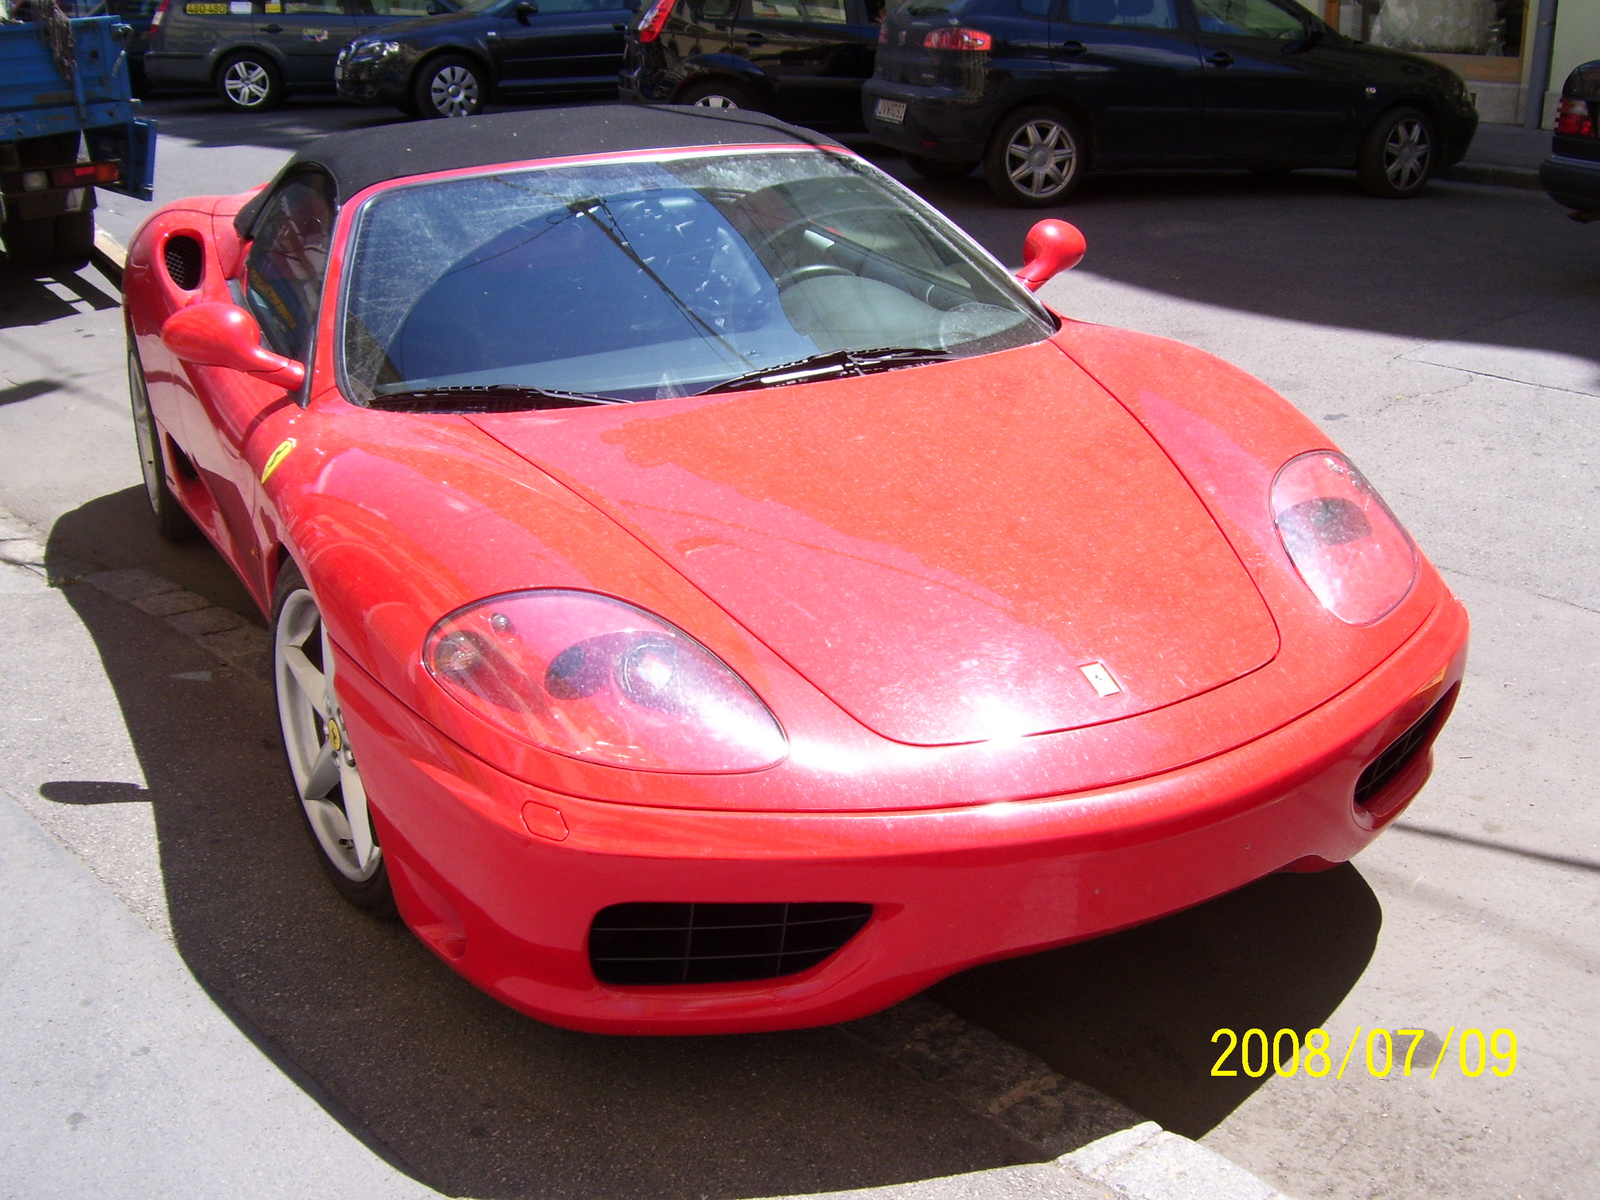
x: 1447, y: 344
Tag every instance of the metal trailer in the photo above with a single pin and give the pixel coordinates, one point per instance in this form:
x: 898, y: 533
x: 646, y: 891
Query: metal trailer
x: 68, y: 125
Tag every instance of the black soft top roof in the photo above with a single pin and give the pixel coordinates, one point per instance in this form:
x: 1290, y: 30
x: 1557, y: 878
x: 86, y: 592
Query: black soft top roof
x: 363, y: 157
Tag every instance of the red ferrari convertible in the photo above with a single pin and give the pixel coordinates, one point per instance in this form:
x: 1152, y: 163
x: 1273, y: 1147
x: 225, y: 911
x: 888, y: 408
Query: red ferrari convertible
x: 709, y: 593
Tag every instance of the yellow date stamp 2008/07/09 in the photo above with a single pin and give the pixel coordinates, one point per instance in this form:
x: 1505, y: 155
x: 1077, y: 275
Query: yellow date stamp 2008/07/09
x: 1285, y: 1053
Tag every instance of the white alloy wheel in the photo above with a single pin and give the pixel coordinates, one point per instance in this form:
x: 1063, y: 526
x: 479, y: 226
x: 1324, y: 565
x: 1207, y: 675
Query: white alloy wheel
x: 1041, y: 158
x: 715, y: 100
x: 248, y: 84
x: 1406, y: 153
x: 454, y: 91
x: 320, y: 757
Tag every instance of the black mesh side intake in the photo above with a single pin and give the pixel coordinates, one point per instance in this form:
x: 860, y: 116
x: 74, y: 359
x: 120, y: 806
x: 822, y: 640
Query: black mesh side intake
x: 185, y: 261
x: 657, y: 944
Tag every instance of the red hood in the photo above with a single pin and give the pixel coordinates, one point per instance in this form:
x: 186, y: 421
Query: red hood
x: 939, y: 549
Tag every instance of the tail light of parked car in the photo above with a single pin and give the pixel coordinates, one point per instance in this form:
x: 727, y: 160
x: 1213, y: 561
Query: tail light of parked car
x: 654, y: 19
x: 958, y: 39
x: 1573, y: 119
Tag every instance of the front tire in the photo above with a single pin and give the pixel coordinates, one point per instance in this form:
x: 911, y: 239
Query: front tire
x: 720, y: 94
x: 1398, y: 155
x: 250, y: 83
x: 333, y: 798
x: 172, y: 523
x: 1035, y: 158
x: 450, y: 86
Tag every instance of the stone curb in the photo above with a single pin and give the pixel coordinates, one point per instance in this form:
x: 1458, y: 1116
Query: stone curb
x: 1511, y: 177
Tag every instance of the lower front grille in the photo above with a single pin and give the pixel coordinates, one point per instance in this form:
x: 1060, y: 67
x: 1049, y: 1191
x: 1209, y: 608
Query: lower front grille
x: 1382, y: 770
x: 656, y: 944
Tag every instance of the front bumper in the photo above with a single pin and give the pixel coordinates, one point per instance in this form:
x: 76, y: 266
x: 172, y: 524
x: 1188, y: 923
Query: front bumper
x: 508, y: 900
x: 373, y: 81
x: 1574, y: 182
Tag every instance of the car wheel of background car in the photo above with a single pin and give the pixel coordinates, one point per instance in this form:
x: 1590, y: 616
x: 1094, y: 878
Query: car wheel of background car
x: 172, y: 523
x: 451, y: 86
x: 31, y: 243
x: 74, y: 238
x: 933, y: 168
x: 321, y: 760
x: 1035, y: 157
x: 250, y: 83
x: 1397, y: 157
x: 719, y: 93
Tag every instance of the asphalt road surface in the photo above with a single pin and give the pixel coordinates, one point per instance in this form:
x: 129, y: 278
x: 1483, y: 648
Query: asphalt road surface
x: 1448, y: 345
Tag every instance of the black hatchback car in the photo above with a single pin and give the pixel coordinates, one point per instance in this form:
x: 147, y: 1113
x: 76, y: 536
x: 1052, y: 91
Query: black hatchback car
x: 1039, y: 91
x: 450, y: 65
x: 803, y: 60
x: 1572, y: 172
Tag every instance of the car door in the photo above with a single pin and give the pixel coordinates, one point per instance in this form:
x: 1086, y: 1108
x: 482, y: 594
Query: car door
x: 282, y: 288
x: 555, y: 43
x: 1136, y: 66
x: 1271, y: 92
x: 816, y: 54
x: 308, y: 35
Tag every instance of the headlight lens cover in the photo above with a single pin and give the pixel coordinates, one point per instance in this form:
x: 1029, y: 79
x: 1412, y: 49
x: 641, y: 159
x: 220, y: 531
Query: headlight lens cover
x: 1341, y: 536
x: 601, y: 680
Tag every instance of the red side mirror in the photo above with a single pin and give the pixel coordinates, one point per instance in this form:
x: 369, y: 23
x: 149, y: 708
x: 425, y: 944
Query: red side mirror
x: 1052, y: 247
x: 224, y: 335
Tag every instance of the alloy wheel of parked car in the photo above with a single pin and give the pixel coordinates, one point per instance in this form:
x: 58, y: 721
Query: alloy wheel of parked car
x: 249, y: 83
x: 1397, y: 157
x: 718, y: 93
x: 326, y: 777
x: 1034, y: 158
x: 172, y: 523
x: 451, y: 87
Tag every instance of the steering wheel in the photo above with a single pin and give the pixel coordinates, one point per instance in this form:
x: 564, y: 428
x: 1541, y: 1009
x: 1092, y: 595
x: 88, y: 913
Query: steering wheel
x: 809, y: 271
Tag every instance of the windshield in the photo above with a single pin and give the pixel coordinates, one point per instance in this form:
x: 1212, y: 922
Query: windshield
x: 646, y: 279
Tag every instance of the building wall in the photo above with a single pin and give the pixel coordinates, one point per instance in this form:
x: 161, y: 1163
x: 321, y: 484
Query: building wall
x: 1577, y: 39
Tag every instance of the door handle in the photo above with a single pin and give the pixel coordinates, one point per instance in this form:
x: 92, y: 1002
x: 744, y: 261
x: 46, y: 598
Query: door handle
x: 274, y: 28
x: 753, y: 39
x: 1073, y: 47
x: 1222, y: 59
x: 620, y: 27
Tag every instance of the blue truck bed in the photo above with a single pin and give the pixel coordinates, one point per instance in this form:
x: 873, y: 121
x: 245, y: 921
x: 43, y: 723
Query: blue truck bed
x: 47, y: 120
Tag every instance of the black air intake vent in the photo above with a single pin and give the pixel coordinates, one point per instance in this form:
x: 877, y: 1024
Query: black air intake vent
x: 185, y: 261
x: 654, y: 944
x: 1397, y: 756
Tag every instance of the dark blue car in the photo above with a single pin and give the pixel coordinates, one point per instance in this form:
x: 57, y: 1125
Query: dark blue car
x: 1572, y: 172
x: 1040, y: 91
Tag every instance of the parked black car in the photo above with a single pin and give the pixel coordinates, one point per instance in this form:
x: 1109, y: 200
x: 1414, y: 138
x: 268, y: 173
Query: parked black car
x: 804, y: 60
x: 1039, y: 91
x: 450, y: 66
x: 253, y: 52
x: 1572, y: 172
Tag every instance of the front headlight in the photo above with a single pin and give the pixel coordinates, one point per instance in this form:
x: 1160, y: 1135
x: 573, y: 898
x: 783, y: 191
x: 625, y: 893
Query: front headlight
x: 601, y: 680
x: 1342, y: 538
x: 365, y: 50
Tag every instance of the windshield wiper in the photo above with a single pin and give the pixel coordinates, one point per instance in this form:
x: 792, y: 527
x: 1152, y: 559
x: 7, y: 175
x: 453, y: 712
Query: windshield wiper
x: 486, y: 398
x: 831, y: 364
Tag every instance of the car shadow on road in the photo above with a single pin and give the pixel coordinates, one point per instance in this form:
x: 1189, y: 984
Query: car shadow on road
x: 456, y: 1090
x: 1134, y: 1014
